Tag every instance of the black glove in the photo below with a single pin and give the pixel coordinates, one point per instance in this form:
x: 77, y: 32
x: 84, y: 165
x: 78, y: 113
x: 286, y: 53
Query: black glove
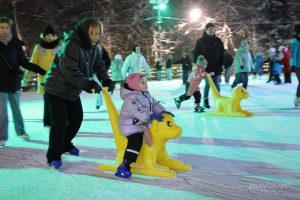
x: 42, y: 72
x: 93, y: 87
x: 37, y: 69
x: 110, y: 84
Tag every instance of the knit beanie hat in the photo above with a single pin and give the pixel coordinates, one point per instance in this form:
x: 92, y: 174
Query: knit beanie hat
x: 133, y: 81
x: 201, y: 61
x: 209, y: 25
x: 297, y: 28
x: 48, y: 30
x: 134, y: 47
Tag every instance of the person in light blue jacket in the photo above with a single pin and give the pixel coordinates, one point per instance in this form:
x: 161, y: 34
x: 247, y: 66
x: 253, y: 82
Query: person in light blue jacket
x: 295, y: 60
x: 136, y: 63
x: 116, y: 70
x: 243, y: 64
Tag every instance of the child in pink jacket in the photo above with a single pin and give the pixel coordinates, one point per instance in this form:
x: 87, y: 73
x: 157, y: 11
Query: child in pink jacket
x: 192, y: 85
x: 137, y: 112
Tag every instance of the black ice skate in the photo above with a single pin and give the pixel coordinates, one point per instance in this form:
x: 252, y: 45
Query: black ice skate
x: 177, y: 102
x: 297, y: 102
x: 199, y: 108
x: 206, y: 103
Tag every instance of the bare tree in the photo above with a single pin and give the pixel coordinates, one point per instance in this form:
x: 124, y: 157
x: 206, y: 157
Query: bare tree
x: 261, y: 22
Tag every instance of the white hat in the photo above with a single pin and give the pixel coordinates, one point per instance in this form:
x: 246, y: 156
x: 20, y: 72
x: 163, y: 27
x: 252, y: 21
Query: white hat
x: 272, y: 50
x: 118, y: 56
x: 280, y: 48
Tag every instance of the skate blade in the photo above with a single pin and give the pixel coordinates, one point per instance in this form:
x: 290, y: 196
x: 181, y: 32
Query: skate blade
x: 199, y: 111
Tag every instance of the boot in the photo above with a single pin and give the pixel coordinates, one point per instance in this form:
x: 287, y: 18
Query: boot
x: 56, y: 164
x: 75, y: 151
x: 24, y: 136
x: 123, y: 171
x: 177, y: 102
x: 2, y: 143
x: 198, y: 108
x: 297, y: 101
x: 206, y: 103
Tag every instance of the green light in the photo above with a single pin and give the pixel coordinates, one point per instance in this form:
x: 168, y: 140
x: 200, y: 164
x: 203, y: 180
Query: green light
x: 162, y: 6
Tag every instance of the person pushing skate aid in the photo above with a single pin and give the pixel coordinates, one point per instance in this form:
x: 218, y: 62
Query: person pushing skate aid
x: 141, y: 132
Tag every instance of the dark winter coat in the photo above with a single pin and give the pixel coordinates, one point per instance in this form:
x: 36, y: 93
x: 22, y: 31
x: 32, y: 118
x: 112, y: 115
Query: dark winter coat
x: 105, y: 57
x: 74, y: 64
x: 228, y: 59
x: 186, y: 63
x: 211, y: 47
x: 295, y: 52
x: 11, y: 58
x: 169, y: 63
x: 158, y: 66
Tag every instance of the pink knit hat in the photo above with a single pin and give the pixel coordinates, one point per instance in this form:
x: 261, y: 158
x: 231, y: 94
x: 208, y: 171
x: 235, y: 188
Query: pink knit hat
x: 133, y: 81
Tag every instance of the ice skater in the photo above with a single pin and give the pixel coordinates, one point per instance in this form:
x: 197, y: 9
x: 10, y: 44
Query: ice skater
x: 192, y: 86
x: 12, y: 57
x: 70, y: 73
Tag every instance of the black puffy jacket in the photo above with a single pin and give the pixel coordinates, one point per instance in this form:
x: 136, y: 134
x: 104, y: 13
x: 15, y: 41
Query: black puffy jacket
x: 212, y: 48
x: 74, y: 64
x: 11, y: 58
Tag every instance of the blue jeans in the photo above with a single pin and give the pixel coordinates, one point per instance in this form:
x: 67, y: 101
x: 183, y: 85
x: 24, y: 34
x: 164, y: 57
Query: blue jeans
x: 297, y: 71
x: 158, y: 74
x: 241, y: 77
x: 99, y: 99
x: 227, y: 74
x: 14, y: 101
x: 216, y: 80
x: 185, y: 76
x: 98, y: 96
x: 169, y: 73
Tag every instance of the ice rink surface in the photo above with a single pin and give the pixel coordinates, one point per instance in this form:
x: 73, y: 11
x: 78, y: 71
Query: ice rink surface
x: 241, y: 158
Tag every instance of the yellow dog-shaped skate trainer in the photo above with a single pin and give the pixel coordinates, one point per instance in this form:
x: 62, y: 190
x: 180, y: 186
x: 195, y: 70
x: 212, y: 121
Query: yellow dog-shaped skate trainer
x: 154, y: 160
x: 229, y: 106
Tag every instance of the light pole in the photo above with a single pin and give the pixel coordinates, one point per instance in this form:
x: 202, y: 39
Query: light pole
x: 159, y: 22
x: 159, y: 5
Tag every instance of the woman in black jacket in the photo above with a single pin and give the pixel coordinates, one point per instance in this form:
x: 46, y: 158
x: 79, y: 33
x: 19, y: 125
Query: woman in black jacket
x: 11, y: 58
x: 70, y: 73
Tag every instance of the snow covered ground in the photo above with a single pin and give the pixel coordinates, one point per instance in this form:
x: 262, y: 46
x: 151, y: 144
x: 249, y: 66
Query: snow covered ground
x: 255, y: 157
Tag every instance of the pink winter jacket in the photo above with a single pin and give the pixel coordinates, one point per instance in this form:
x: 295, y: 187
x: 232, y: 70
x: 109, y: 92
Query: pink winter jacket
x: 195, y: 79
x: 136, y: 110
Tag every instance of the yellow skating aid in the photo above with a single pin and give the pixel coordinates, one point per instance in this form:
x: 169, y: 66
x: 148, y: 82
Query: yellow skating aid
x: 154, y: 160
x: 228, y: 106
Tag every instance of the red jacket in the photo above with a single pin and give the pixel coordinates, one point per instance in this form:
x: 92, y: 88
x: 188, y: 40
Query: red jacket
x: 286, y: 60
